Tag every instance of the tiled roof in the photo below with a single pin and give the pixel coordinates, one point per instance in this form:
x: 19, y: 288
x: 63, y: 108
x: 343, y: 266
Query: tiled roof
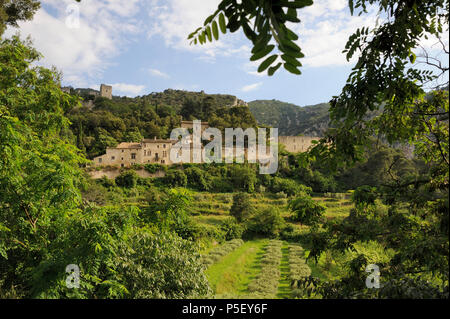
x: 159, y: 141
x: 129, y: 145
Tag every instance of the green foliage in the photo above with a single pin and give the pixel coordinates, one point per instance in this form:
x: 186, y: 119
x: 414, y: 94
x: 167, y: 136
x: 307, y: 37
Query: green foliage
x: 291, y: 119
x: 306, y: 211
x: 242, y: 208
x: 232, y: 229
x: 243, y: 177
x: 198, y: 178
x: 289, y: 187
x: 270, y: 22
x: 176, y: 178
x: 11, y: 12
x: 127, y: 179
x: 267, y: 222
x: 119, y: 259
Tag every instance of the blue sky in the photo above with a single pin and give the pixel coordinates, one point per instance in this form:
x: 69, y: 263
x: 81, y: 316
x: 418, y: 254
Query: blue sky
x: 141, y: 46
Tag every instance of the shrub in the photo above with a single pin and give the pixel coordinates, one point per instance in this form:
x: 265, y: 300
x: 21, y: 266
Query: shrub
x: 176, y: 178
x: 289, y: 187
x: 232, y: 229
x: 306, y: 210
x: 106, y: 182
x: 197, y: 178
x: 243, y: 177
x: 242, y: 207
x: 267, y: 222
x: 127, y: 179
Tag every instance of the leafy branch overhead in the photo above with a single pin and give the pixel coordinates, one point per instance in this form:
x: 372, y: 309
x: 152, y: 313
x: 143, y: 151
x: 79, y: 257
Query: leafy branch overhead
x: 261, y: 21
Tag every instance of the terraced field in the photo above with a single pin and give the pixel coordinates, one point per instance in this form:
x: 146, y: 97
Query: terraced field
x: 262, y: 268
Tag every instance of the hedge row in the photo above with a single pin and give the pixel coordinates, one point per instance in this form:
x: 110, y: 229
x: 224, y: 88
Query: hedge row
x: 297, y: 265
x: 221, y: 251
x: 266, y: 284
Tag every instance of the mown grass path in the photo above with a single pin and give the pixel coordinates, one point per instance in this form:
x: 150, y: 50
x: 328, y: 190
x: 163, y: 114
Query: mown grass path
x: 284, y: 284
x: 232, y: 274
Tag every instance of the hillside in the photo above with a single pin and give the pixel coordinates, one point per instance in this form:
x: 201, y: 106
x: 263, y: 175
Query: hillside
x: 176, y: 98
x: 290, y: 118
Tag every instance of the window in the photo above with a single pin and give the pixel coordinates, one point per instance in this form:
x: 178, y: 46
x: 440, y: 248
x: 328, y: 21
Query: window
x: 113, y: 158
x: 122, y: 158
x: 164, y: 154
x: 133, y: 155
x: 149, y: 153
x: 99, y: 160
x: 164, y: 145
x: 121, y: 165
x: 122, y: 151
x: 163, y: 161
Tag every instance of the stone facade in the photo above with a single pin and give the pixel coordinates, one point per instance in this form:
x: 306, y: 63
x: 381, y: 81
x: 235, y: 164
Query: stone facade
x: 295, y: 144
x: 106, y: 91
x: 154, y: 150
x: 145, y: 152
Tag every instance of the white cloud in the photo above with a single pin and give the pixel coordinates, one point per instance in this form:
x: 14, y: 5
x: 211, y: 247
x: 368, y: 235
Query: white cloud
x: 251, y: 87
x: 158, y: 73
x: 128, y: 89
x: 174, y: 20
x: 83, y: 52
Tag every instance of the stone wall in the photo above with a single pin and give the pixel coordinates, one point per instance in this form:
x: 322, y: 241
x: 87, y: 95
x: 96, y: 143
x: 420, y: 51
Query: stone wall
x: 112, y: 174
x: 295, y: 144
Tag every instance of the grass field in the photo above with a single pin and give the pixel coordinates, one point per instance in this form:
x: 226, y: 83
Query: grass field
x: 230, y: 276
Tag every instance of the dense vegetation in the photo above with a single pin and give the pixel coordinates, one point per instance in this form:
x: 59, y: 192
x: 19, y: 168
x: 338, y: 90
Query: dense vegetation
x: 291, y: 119
x: 211, y: 230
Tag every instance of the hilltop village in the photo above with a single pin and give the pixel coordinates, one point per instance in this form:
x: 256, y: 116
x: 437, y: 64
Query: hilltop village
x: 157, y: 150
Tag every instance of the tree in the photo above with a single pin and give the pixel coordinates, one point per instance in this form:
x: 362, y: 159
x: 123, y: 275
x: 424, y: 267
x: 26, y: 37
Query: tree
x: 306, y: 210
x: 241, y: 208
x: 387, y: 78
x: 12, y: 11
x: 39, y: 169
x: 127, y: 179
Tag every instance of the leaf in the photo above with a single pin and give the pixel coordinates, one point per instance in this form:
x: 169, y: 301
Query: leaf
x: 273, y: 69
x: 267, y: 62
x: 215, y: 30
x: 222, y: 24
x: 208, y: 33
x: 262, y: 53
x: 291, y: 68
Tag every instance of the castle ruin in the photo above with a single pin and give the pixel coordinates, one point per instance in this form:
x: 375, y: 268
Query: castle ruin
x: 106, y: 91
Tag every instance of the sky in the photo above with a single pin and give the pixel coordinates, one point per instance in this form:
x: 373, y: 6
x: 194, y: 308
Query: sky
x: 141, y: 46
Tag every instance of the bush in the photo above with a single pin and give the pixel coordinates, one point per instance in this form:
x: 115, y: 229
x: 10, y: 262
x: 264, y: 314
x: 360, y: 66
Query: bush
x: 106, y: 182
x: 289, y: 187
x: 267, y: 222
x: 127, y: 179
x: 232, y: 229
x: 242, y: 207
x: 243, y: 177
x: 306, y: 210
x: 197, y: 178
x: 176, y: 178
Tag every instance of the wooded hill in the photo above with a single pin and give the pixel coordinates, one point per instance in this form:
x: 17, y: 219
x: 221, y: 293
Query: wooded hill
x: 291, y: 119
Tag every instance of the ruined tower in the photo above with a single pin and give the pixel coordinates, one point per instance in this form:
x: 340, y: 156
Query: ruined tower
x: 106, y: 91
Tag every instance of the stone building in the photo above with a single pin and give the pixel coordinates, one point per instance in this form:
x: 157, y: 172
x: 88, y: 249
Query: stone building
x: 158, y: 150
x: 295, y: 144
x: 106, y: 91
x: 145, y: 152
